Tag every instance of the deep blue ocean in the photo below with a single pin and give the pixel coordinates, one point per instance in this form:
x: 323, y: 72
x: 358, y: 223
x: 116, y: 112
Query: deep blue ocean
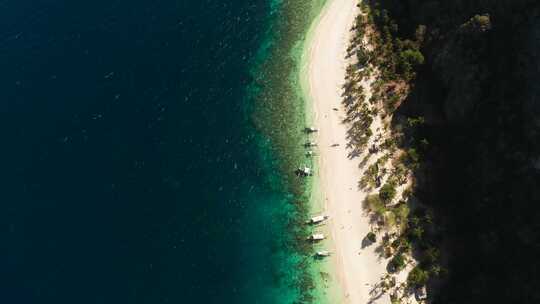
x: 131, y: 170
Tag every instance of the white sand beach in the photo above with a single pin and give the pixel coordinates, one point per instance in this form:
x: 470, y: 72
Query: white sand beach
x: 357, y: 269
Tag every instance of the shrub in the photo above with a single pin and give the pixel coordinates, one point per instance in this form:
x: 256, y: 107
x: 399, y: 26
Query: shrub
x: 390, y: 219
x: 388, y: 143
x: 368, y: 133
x: 387, y: 252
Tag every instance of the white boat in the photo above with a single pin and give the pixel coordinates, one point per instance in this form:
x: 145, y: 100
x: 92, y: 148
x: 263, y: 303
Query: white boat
x: 310, y: 144
x: 311, y: 130
x: 316, y: 237
x: 318, y: 219
x: 304, y: 171
x: 322, y: 254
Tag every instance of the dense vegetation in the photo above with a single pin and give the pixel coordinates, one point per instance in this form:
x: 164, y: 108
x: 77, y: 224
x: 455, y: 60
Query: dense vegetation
x: 469, y: 117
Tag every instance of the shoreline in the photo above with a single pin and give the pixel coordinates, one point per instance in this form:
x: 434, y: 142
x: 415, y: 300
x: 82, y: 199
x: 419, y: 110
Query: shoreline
x: 354, y: 271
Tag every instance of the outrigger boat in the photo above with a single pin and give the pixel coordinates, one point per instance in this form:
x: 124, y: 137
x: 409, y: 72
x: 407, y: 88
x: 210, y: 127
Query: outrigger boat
x: 310, y: 144
x: 317, y: 219
x: 322, y: 254
x: 311, y: 130
x: 316, y: 237
x: 305, y: 171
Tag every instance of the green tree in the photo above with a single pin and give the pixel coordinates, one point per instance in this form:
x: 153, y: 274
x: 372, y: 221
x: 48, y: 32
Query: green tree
x: 482, y: 22
x: 412, y: 57
x: 417, y: 233
x: 429, y: 218
x: 432, y: 255
x: 362, y: 57
x: 414, y: 221
x: 371, y: 237
x: 413, y: 156
x: 398, y: 262
x: 402, y: 212
x: 407, y: 60
x: 420, y: 34
x: 415, y: 121
x: 375, y: 204
x: 417, y: 277
x: 436, y: 270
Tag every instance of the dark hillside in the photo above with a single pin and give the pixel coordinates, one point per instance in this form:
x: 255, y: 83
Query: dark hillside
x: 479, y: 91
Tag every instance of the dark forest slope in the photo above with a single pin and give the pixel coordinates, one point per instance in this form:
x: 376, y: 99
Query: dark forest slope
x: 479, y: 91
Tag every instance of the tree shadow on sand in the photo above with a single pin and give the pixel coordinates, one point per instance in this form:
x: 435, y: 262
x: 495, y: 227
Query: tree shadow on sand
x: 376, y: 293
x: 366, y: 242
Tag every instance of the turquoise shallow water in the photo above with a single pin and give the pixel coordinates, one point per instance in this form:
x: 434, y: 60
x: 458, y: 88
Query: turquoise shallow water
x: 149, y: 150
x: 280, y: 115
